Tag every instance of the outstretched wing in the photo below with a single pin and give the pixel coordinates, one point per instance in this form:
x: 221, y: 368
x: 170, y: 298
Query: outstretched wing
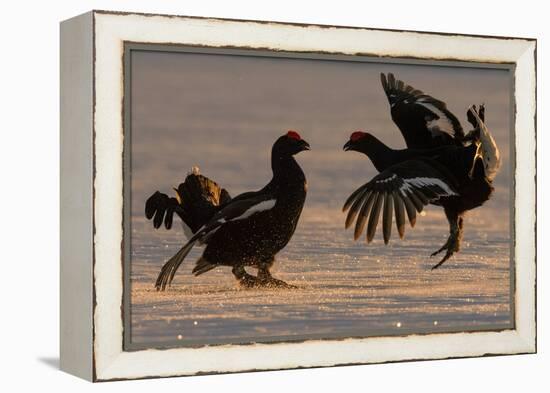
x: 404, y: 187
x: 160, y: 207
x: 239, y: 208
x: 424, y: 121
x: 200, y: 198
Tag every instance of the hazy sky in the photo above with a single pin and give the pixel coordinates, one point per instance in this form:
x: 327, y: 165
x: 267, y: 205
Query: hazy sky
x: 223, y: 113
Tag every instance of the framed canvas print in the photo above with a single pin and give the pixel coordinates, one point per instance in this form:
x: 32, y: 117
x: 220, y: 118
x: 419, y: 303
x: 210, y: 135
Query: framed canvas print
x: 246, y: 195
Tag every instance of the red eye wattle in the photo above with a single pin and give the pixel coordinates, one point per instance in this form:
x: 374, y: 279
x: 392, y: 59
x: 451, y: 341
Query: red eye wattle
x: 356, y: 136
x: 293, y: 135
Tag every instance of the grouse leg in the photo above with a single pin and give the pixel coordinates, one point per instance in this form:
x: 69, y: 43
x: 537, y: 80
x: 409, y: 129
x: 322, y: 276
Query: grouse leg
x: 245, y: 280
x: 265, y: 277
x: 452, y: 244
x: 267, y: 280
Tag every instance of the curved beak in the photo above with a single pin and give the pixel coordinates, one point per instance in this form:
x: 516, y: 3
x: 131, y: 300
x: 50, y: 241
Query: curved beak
x: 348, y: 145
x: 305, y: 145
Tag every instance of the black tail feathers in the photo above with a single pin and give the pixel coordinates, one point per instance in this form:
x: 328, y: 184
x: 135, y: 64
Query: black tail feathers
x: 474, y: 134
x: 202, y: 266
x: 481, y: 113
x: 169, y: 269
x: 199, y: 199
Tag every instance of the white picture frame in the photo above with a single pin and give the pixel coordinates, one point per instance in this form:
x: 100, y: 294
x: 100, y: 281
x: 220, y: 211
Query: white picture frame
x: 92, y: 151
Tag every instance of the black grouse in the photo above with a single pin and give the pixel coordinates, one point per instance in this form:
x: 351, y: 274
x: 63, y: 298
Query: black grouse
x: 441, y: 166
x: 248, y: 230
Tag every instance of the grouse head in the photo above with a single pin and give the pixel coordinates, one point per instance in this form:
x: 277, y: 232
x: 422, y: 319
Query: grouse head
x: 289, y: 144
x: 358, y: 141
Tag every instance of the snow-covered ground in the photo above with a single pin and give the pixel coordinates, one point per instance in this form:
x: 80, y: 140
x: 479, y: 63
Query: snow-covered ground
x: 345, y: 288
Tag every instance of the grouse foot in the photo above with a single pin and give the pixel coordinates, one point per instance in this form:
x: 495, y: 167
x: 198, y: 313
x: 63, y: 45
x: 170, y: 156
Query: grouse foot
x: 452, y: 245
x: 264, y: 280
x: 249, y: 281
x: 268, y: 281
x: 275, y: 283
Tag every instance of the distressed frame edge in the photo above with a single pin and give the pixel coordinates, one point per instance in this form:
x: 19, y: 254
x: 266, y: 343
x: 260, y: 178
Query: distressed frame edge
x: 76, y: 207
x: 525, y: 339
x: 526, y: 224
x: 304, y: 24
